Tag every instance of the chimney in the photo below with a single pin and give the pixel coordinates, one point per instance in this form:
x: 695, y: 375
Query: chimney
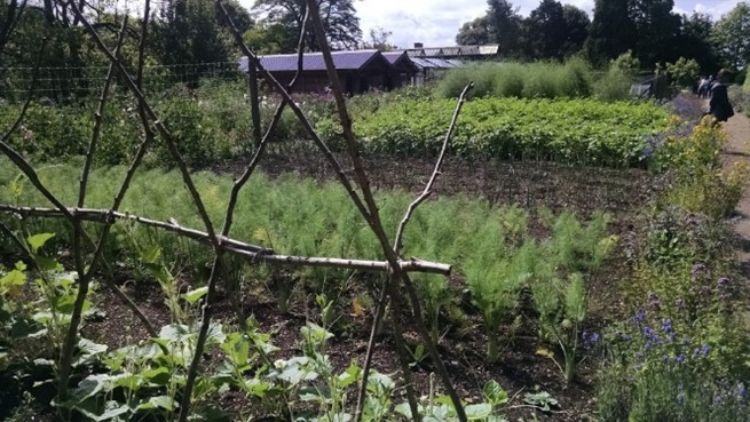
x: 418, y: 45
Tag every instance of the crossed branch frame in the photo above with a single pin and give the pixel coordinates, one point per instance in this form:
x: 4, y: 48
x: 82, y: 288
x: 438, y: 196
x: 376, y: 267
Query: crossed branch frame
x: 359, y: 191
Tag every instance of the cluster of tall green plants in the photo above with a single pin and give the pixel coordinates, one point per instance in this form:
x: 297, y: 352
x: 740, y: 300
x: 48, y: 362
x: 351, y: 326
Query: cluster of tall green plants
x: 572, y: 79
x: 210, y: 122
x: 554, y: 269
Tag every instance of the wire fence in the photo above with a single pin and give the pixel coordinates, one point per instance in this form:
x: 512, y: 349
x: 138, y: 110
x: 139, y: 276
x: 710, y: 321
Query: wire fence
x: 59, y: 83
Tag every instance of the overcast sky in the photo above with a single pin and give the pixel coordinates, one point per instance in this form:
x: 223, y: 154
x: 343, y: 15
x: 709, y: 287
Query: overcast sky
x: 436, y: 22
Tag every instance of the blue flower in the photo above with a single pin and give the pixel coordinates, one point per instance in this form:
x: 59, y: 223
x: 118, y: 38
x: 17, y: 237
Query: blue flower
x: 652, y: 338
x: 741, y: 391
x: 680, y: 359
x: 705, y: 350
x: 590, y: 339
x: 640, y: 316
x: 702, y: 351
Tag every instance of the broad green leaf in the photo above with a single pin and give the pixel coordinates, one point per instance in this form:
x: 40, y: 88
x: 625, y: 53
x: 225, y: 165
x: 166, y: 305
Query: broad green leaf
x: 478, y: 411
x: 158, y: 376
x: 193, y: 296
x: 159, y: 402
x: 12, y: 279
x: 112, y: 409
x: 350, y: 376
x: 37, y: 241
x: 495, y: 394
x: 151, y: 255
x: 89, y: 387
x: 127, y: 380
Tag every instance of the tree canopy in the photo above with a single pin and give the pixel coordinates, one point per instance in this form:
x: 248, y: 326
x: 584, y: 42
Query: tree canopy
x: 339, y: 20
x: 650, y: 29
x: 732, y: 36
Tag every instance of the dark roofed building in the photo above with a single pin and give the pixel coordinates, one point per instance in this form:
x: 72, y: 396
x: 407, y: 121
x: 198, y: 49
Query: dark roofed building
x: 359, y: 71
x: 404, y: 68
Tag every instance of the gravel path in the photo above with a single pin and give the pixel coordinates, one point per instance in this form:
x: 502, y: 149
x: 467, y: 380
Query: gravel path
x: 738, y: 149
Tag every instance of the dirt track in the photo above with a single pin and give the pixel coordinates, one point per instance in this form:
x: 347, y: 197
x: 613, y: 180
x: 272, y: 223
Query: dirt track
x: 737, y: 150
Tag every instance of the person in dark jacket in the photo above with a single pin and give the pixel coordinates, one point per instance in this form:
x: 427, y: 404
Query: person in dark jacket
x: 719, y: 106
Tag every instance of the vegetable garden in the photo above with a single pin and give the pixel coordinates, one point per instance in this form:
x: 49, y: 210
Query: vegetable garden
x: 565, y: 258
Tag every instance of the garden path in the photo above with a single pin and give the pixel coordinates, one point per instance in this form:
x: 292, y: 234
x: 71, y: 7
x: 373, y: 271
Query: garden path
x: 737, y: 150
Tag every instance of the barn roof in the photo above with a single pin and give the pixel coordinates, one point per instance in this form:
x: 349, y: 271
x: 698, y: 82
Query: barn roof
x: 342, y: 60
x: 394, y: 57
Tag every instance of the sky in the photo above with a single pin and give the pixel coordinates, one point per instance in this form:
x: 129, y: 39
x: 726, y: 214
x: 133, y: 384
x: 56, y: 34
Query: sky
x: 436, y: 22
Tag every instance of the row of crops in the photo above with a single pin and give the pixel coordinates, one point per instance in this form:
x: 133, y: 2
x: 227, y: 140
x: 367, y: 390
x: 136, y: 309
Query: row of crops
x: 579, y: 130
x: 216, y: 124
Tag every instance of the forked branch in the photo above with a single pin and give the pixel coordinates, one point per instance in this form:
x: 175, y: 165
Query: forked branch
x: 398, y: 246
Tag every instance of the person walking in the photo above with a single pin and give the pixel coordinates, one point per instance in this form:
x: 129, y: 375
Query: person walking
x: 719, y: 105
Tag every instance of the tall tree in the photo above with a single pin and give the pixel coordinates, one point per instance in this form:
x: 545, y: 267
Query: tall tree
x: 658, y: 29
x: 546, y: 30
x: 380, y: 40
x: 695, y: 41
x: 732, y: 36
x: 339, y: 20
x: 577, y: 25
x: 612, y: 31
x: 505, y: 23
x: 189, y: 31
x: 476, y: 32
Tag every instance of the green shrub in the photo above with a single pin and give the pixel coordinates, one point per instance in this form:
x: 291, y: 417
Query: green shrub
x: 509, y: 80
x: 613, y: 86
x: 49, y: 131
x: 626, y: 63
x: 684, y: 73
x: 532, y: 80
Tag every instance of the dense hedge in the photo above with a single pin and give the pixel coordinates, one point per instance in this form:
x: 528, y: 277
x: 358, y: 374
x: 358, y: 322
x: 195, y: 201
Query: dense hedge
x: 567, y: 130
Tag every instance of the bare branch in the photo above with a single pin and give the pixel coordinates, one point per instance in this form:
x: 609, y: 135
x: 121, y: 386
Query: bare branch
x: 161, y: 128
x: 99, y: 119
x: 380, y: 309
x: 398, y: 243
x: 341, y: 175
x: 374, y: 219
x: 236, y: 247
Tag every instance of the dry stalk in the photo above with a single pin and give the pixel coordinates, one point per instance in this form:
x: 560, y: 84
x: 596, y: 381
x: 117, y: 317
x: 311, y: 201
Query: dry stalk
x: 376, y: 224
x: 261, y: 144
x: 398, y: 247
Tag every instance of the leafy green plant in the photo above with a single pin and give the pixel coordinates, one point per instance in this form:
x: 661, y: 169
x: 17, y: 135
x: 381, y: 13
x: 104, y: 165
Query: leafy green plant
x: 565, y: 130
x: 684, y: 72
x: 562, y: 306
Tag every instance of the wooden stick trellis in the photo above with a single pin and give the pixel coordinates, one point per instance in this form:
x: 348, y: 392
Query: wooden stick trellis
x: 221, y: 243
